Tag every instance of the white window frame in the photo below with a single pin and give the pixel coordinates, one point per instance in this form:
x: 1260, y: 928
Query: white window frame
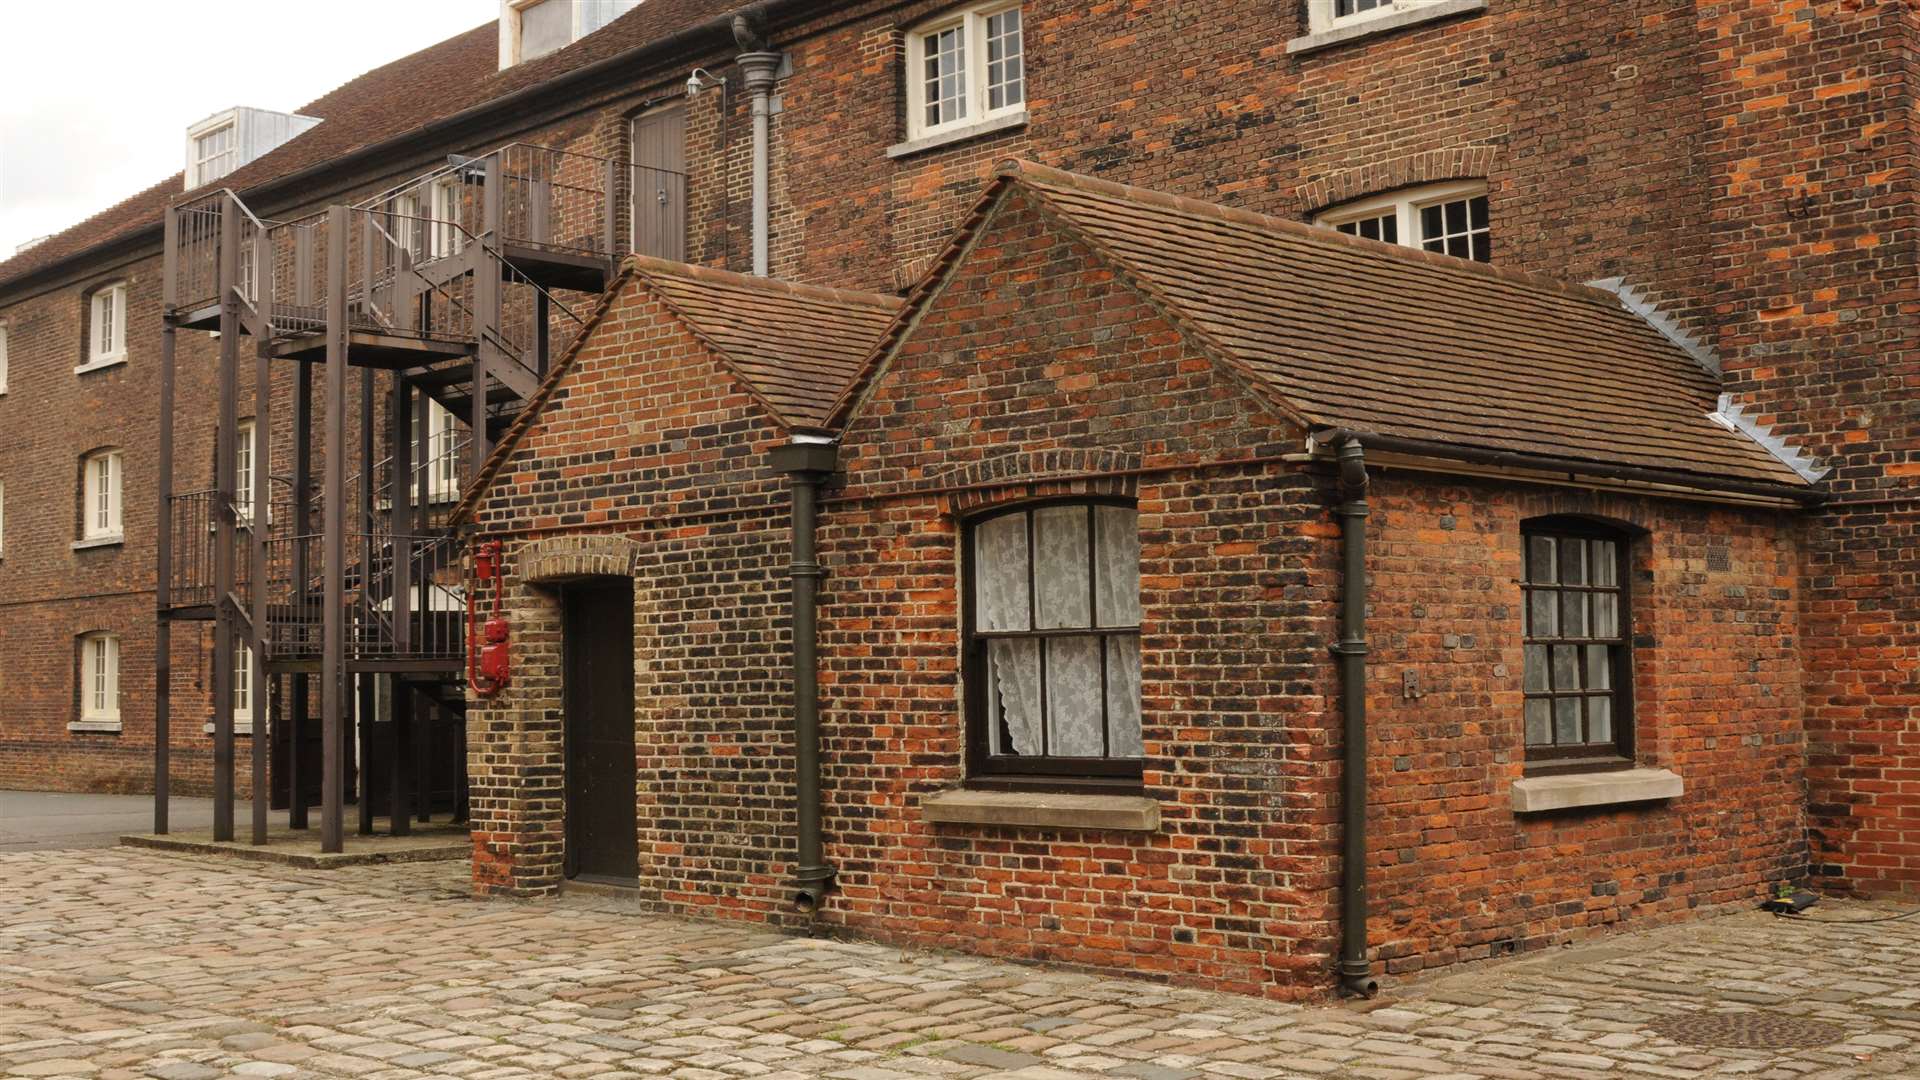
x: 99, y: 682
x: 106, y: 327
x: 246, y: 454
x: 242, y: 686
x: 3, y: 359
x: 100, y: 520
x: 443, y: 465
x: 199, y: 171
x: 443, y: 229
x: 1405, y: 204
x: 1323, y: 15
x: 972, y: 23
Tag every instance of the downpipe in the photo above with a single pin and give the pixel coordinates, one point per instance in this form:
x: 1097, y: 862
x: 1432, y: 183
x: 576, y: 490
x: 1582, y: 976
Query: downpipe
x: 1356, y: 972
x: 759, y: 69
x: 807, y: 465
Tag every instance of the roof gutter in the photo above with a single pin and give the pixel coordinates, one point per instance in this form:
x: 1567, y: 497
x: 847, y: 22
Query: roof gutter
x: 719, y: 29
x: 1515, y: 459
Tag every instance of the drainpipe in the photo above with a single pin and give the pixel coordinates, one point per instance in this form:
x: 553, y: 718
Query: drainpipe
x: 808, y: 461
x: 758, y: 68
x: 1356, y: 973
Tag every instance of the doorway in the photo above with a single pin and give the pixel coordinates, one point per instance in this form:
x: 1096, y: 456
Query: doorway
x: 597, y: 694
x: 660, y: 183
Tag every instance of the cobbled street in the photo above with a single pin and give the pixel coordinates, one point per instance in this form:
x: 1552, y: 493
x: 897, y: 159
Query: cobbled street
x: 121, y: 963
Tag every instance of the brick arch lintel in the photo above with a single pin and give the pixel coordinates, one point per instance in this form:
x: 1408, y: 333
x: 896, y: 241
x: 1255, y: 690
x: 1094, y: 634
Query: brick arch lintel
x: 1425, y: 167
x: 559, y: 559
x: 1034, y: 473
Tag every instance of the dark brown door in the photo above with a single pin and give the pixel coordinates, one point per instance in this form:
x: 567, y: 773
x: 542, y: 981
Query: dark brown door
x: 598, y: 694
x: 660, y: 184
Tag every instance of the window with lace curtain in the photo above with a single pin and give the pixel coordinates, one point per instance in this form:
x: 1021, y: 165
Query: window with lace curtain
x: 1053, y: 645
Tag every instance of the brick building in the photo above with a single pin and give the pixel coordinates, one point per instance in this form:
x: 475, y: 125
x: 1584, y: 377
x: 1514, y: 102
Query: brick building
x: 1739, y: 177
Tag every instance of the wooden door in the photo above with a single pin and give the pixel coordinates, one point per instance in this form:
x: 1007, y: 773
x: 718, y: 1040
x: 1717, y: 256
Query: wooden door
x: 660, y: 183
x: 602, y: 844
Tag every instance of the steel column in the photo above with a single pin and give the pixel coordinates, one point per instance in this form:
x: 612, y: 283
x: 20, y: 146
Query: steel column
x: 261, y: 699
x: 163, y: 545
x: 300, y: 710
x: 334, y: 548
x: 224, y: 522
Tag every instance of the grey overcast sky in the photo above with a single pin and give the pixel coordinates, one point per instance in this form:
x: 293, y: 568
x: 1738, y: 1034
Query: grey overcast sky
x: 96, y: 96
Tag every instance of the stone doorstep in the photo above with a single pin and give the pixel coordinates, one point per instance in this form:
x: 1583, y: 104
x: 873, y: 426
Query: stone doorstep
x: 434, y: 844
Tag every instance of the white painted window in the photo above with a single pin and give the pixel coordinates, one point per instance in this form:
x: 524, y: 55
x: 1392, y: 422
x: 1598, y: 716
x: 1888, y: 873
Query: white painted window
x: 405, y: 223
x: 107, y: 326
x: 100, y: 679
x: 3, y: 359
x: 443, y: 453
x: 965, y: 68
x: 246, y: 448
x: 216, y: 152
x: 242, y: 686
x: 534, y: 28
x: 1450, y: 219
x: 446, y: 237
x: 1324, y: 15
x: 100, y: 496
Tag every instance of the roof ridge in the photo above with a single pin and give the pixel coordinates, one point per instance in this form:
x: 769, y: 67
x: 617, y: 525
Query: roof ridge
x: 649, y: 265
x: 1021, y: 170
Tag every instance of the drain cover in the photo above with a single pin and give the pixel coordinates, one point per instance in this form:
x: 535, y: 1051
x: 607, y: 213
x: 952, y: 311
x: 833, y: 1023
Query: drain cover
x: 1757, y: 1030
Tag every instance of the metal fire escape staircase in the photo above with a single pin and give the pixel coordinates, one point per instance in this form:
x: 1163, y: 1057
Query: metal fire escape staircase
x: 451, y: 288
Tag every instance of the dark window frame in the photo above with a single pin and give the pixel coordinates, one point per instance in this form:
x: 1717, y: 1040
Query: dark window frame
x: 1618, y: 752
x: 985, y: 770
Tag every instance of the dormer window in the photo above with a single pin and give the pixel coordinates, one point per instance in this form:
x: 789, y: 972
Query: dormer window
x: 964, y: 68
x: 530, y: 29
x: 1449, y: 219
x: 214, y: 153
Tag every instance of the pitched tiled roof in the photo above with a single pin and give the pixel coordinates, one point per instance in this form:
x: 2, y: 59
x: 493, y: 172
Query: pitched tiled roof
x: 797, y: 346
x: 1342, y: 332
x: 405, y: 96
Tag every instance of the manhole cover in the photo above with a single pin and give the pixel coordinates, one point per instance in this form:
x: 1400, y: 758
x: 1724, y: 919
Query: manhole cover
x: 1747, y: 1030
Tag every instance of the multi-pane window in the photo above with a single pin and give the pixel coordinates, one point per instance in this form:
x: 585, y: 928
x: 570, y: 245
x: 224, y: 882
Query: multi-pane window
x: 966, y: 68
x: 1451, y: 219
x: 1577, y: 665
x: 1325, y: 15
x: 243, y: 448
x: 1053, y: 643
x: 442, y: 434
x: 1384, y: 227
x: 1457, y: 227
x: 100, y: 495
x: 107, y: 325
x: 404, y: 224
x: 3, y: 359
x: 446, y: 235
x: 100, y: 679
x: 214, y: 154
x: 242, y: 685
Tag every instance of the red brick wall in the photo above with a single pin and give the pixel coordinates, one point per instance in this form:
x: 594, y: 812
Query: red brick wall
x: 648, y: 463
x: 1816, y: 233
x: 1715, y: 600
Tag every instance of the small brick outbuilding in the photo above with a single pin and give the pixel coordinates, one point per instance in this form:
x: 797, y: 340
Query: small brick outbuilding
x: 1087, y: 654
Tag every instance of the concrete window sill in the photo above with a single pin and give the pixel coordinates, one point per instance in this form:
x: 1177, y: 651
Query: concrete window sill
x: 1538, y: 794
x: 95, y: 727
x: 1043, y: 810
x: 1360, y: 29
x: 100, y: 365
x: 99, y: 541
x: 959, y: 134
x: 241, y: 728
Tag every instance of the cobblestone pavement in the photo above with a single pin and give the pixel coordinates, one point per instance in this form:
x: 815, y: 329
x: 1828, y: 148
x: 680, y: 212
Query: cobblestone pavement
x: 122, y: 963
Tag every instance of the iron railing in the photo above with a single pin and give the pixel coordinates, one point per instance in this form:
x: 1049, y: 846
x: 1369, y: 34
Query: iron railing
x: 431, y: 618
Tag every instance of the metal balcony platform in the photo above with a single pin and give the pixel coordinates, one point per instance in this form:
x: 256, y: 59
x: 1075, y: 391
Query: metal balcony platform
x: 373, y: 349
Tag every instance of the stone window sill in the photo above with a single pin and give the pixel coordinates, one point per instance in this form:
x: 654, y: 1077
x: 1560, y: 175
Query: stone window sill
x: 100, y: 365
x: 1042, y: 809
x: 1569, y: 791
x: 99, y: 541
x: 241, y: 728
x: 1383, y: 24
x: 95, y: 727
x: 960, y: 134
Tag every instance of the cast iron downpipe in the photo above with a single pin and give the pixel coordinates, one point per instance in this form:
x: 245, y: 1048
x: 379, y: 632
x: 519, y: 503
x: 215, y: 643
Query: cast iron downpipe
x: 807, y: 462
x: 1356, y: 973
x: 759, y: 68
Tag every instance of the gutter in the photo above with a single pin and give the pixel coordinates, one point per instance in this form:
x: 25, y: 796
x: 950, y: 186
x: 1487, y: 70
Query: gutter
x: 1516, y: 459
x: 1356, y: 972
